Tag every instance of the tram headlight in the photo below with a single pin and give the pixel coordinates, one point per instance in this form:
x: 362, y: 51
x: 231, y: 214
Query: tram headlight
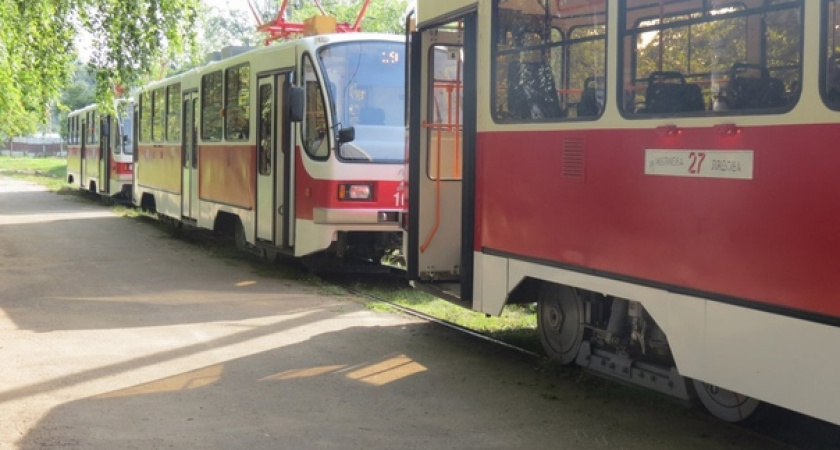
x: 355, y: 192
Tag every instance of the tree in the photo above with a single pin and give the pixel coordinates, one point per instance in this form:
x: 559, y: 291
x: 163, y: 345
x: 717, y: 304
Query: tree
x: 79, y: 93
x: 130, y: 41
x: 37, y: 48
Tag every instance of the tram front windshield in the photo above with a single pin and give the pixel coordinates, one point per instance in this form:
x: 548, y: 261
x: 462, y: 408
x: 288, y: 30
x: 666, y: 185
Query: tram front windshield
x: 366, y: 82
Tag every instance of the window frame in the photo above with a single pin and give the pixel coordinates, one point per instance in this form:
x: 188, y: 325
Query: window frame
x: 235, y: 109
x: 326, y: 140
x: 206, y: 107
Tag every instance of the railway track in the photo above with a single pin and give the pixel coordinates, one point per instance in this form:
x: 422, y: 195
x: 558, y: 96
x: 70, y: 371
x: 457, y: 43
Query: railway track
x: 777, y: 424
x: 441, y: 322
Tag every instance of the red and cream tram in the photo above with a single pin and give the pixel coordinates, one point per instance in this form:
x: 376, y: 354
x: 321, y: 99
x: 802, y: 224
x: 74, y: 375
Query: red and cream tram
x: 296, y: 148
x: 656, y: 174
x: 99, y: 150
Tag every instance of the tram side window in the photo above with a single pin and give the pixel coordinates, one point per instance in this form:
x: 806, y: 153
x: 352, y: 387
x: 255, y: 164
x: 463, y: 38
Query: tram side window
x: 237, y: 103
x: 707, y: 57
x: 211, y: 107
x: 173, y: 113
x: 548, y: 64
x: 831, y: 71
x: 71, y: 121
x: 146, y: 117
x: 158, y: 114
x: 315, y: 140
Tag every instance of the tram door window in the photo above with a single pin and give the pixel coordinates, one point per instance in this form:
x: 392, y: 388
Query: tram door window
x: 189, y: 148
x: 549, y: 61
x: 706, y: 57
x: 265, y: 129
x: 104, y: 153
x: 444, y: 128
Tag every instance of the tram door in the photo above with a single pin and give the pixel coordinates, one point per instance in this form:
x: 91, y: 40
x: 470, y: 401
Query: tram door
x: 83, y: 144
x: 441, y: 202
x: 105, y: 146
x: 272, y: 160
x: 189, y: 157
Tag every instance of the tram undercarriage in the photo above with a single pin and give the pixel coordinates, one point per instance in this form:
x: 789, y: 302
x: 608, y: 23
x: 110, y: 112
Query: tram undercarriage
x: 618, y: 339
x: 356, y: 251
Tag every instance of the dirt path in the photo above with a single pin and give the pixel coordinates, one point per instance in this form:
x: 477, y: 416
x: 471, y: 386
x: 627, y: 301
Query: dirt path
x: 114, y: 335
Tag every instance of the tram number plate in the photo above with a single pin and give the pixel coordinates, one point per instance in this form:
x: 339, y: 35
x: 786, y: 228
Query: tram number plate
x: 734, y: 164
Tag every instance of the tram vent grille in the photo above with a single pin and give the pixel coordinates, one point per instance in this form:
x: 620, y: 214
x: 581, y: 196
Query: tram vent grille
x: 573, y: 161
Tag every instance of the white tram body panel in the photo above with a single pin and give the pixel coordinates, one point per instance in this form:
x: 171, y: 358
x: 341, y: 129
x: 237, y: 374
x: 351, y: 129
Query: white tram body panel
x: 699, y: 192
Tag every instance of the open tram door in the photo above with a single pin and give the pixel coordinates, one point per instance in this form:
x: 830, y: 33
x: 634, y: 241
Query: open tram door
x: 442, y: 124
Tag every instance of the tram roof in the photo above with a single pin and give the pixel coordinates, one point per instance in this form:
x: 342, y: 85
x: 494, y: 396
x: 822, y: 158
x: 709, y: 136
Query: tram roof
x: 308, y: 42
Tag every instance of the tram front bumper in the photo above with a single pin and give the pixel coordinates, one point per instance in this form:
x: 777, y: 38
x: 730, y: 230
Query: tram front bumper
x: 332, y: 216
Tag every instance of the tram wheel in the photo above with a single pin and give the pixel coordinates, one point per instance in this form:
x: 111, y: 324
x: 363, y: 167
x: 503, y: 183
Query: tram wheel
x: 727, y: 405
x: 560, y: 322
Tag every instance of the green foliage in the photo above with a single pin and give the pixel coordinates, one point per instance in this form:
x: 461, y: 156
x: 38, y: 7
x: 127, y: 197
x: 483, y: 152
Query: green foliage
x: 228, y: 28
x: 131, y: 37
x: 78, y: 94
x: 37, y: 48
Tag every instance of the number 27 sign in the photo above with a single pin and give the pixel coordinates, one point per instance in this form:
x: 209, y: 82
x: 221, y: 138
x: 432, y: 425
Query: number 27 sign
x: 735, y: 164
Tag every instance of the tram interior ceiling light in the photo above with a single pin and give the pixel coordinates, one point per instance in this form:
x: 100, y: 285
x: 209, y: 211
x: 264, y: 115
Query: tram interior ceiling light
x: 355, y: 192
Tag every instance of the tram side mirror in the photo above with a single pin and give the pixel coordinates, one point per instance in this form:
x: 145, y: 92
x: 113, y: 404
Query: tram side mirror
x: 346, y: 135
x: 296, y: 103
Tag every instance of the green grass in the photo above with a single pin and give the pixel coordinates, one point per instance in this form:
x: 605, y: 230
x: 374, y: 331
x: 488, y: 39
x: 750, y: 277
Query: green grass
x: 516, y: 325
x: 49, y: 172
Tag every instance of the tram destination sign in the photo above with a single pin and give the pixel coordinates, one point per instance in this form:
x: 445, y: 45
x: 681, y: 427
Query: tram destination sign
x: 733, y: 164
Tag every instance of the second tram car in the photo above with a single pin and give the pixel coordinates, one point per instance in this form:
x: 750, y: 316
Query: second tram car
x: 658, y: 175
x: 99, y: 150
x: 297, y: 148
